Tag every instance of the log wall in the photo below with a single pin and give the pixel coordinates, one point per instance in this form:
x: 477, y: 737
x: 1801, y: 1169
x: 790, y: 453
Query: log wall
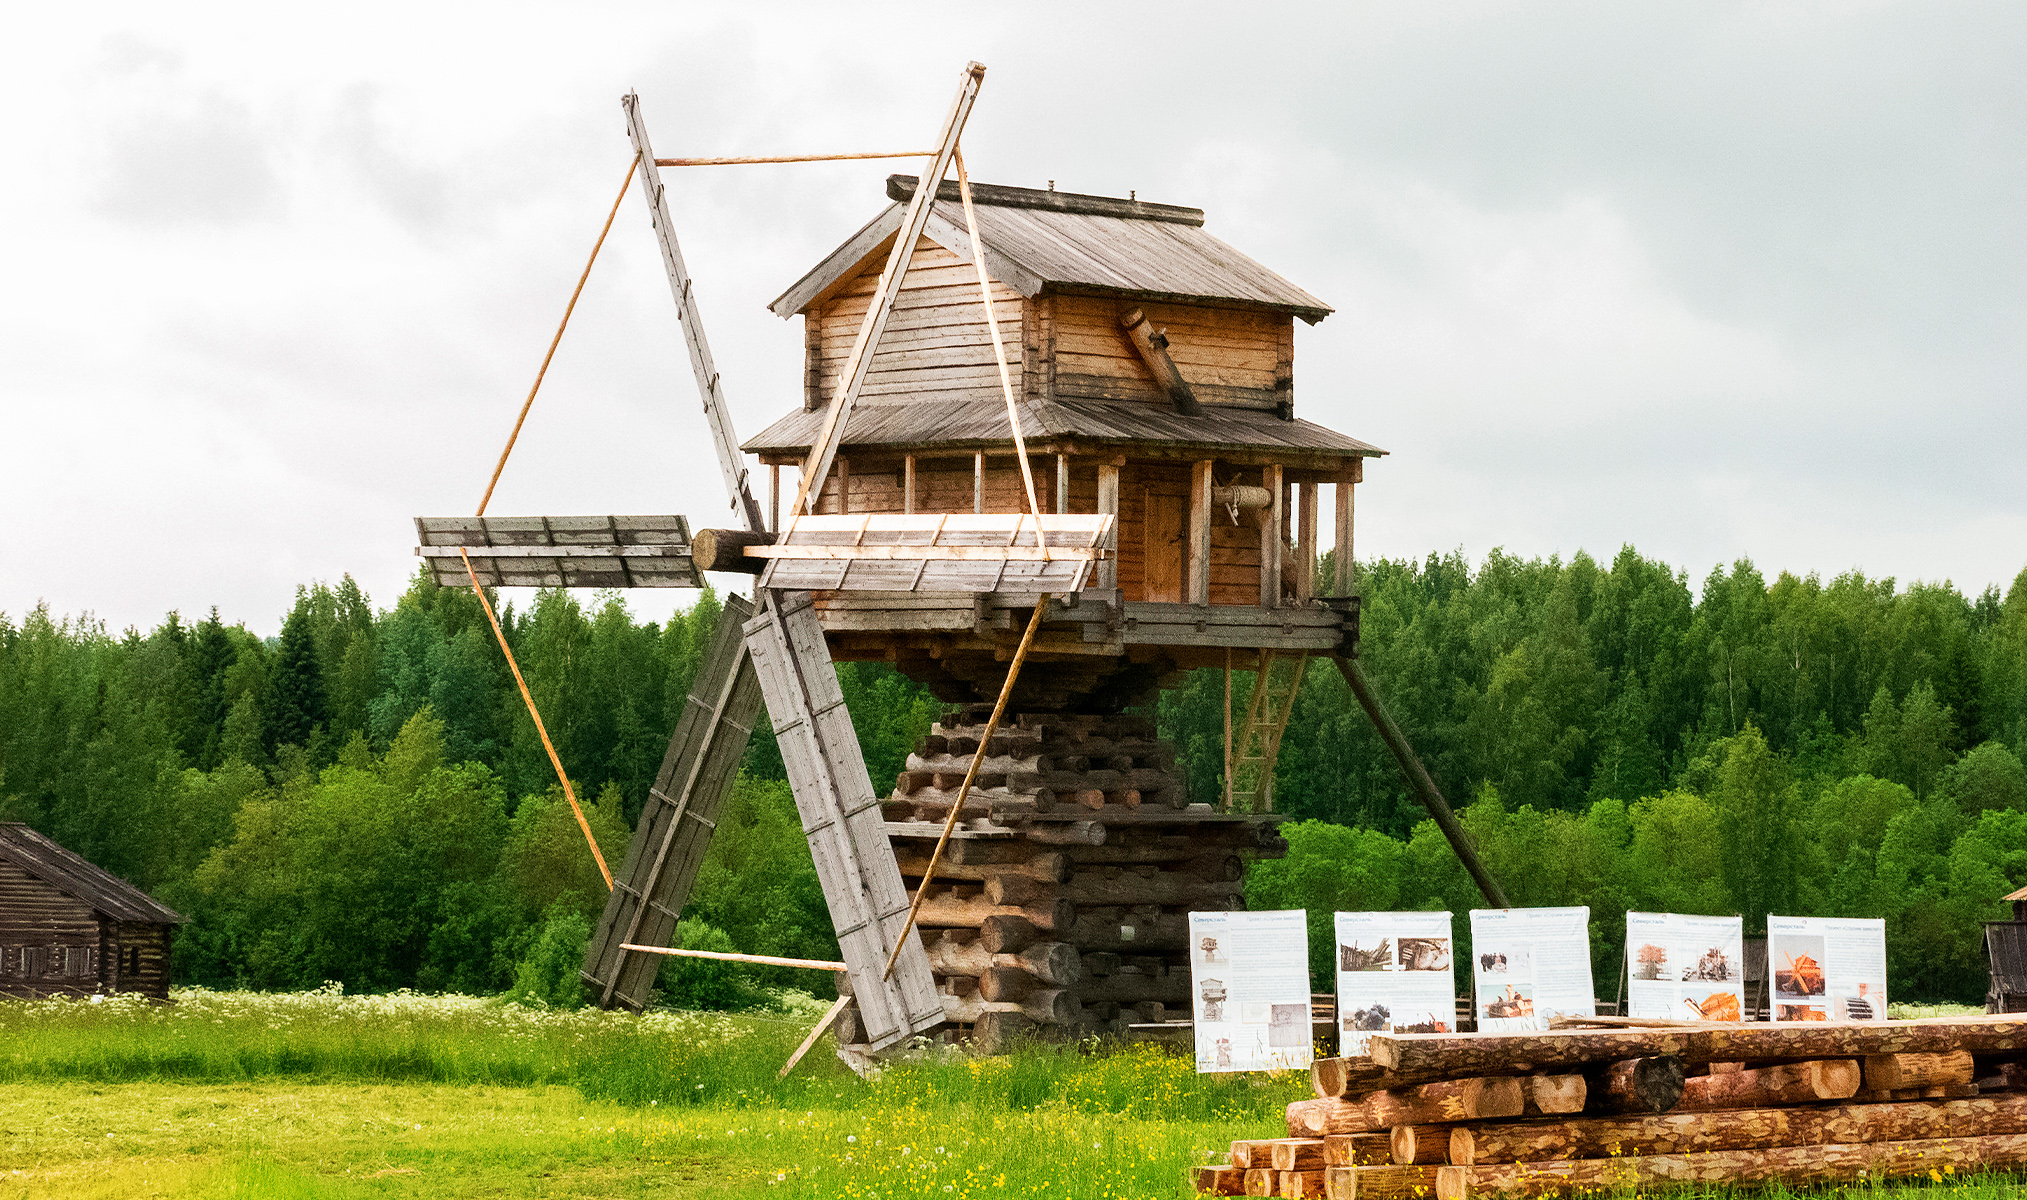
x: 1229, y: 356
x: 1064, y: 911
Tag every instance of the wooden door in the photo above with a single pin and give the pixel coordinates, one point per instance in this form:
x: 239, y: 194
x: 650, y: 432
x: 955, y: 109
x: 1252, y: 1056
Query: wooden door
x: 1165, y: 526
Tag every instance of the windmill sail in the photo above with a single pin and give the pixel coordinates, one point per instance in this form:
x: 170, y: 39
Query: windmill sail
x: 841, y: 818
x: 681, y: 814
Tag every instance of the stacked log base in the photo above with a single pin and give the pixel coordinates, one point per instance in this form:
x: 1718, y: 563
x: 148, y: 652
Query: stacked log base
x: 1587, y: 1111
x: 1061, y: 907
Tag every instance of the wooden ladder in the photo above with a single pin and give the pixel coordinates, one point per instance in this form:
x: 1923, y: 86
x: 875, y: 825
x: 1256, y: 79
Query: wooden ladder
x: 1249, y: 762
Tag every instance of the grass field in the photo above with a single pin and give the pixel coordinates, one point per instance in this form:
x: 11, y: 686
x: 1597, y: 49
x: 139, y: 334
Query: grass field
x: 324, y: 1095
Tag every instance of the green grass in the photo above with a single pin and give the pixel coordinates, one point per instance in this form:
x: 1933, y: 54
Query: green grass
x: 324, y: 1095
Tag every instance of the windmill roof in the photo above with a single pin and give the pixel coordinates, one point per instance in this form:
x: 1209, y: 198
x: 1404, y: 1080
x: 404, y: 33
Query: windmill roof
x: 75, y: 876
x: 1036, y: 240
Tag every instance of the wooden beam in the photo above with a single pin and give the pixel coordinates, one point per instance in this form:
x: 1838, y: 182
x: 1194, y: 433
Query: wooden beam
x: 1270, y: 538
x: 759, y: 960
x: 978, y: 481
x: 1152, y: 346
x: 774, y: 498
x: 1305, y: 542
x: 752, y: 160
x: 1199, y: 562
x: 731, y: 460
x: 1424, y: 787
x: 908, y: 484
x: 1062, y: 483
x: 1469, y: 1054
x: 1108, y: 505
x: 1736, y: 1129
x: 1782, y: 1083
x: 852, y: 377
x: 1868, y: 1161
x: 829, y: 1019
x: 1341, y: 580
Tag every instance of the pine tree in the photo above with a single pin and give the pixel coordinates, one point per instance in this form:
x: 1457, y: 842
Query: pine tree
x: 295, y: 707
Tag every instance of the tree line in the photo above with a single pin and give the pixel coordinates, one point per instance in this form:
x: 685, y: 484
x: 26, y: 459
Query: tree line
x: 363, y: 797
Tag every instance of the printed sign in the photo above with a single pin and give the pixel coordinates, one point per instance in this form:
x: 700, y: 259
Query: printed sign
x: 1530, y: 964
x: 1396, y: 973
x: 1685, y: 968
x: 1249, y: 979
x: 1826, y: 969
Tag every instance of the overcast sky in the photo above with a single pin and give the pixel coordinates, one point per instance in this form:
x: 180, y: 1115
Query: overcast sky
x: 1717, y: 280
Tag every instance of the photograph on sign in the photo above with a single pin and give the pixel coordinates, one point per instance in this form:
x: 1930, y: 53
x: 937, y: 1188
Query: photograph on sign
x: 1827, y: 968
x: 1685, y: 968
x: 1529, y: 965
x: 1396, y: 973
x: 1249, y: 985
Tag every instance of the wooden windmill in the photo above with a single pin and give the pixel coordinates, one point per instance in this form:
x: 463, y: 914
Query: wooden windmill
x: 1048, y: 461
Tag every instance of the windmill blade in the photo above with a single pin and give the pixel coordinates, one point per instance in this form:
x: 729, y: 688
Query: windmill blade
x: 675, y: 829
x: 841, y: 818
x: 590, y: 552
x: 937, y: 552
x: 731, y: 462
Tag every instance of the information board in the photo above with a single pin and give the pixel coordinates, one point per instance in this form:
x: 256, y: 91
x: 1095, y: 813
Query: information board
x: 1826, y: 969
x: 1396, y: 973
x: 1685, y: 968
x: 1530, y: 964
x: 1249, y: 985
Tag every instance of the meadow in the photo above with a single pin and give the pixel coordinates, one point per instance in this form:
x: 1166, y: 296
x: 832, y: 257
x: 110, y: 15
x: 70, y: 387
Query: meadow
x: 321, y: 1094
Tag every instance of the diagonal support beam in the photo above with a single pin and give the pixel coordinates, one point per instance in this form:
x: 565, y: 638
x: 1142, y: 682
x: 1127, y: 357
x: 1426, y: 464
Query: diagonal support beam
x: 1418, y: 779
x: 824, y: 447
x: 731, y: 461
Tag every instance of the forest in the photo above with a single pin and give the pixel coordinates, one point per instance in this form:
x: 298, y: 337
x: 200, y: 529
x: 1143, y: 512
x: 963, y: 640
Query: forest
x: 363, y: 799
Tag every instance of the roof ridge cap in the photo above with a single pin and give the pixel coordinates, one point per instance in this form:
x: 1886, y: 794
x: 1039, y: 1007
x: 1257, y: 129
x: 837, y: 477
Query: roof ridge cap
x: 902, y: 187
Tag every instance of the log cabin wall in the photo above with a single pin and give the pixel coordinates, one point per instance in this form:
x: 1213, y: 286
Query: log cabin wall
x: 141, y: 959
x: 1238, y: 357
x: 49, y: 941
x: 936, y: 348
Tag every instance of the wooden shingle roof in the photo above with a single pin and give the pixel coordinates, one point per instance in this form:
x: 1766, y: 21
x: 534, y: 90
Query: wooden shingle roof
x: 76, y: 877
x: 1036, y: 240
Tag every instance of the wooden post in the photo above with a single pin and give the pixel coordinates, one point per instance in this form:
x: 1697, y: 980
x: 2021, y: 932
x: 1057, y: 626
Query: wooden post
x: 1305, y: 542
x: 1108, y: 505
x: 1199, y: 563
x: 1270, y: 538
x: 1062, y: 483
x: 908, y: 484
x: 774, y: 498
x: 1341, y: 585
x: 1228, y: 734
x: 978, y: 481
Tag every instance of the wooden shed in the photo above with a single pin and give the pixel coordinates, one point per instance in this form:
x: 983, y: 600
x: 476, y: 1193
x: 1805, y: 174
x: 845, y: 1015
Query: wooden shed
x: 2006, y: 951
x: 68, y: 928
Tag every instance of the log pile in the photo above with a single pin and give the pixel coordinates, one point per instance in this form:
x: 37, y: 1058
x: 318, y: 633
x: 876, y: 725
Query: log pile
x: 1624, y: 1109
x: 1061, y: 907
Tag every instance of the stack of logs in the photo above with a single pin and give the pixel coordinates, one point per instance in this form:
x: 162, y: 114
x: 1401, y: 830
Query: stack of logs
x: 1061, y: 907
x: 1583, y: 1110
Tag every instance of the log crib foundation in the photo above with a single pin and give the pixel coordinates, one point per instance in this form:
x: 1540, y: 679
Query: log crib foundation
x: 1061, y: 906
